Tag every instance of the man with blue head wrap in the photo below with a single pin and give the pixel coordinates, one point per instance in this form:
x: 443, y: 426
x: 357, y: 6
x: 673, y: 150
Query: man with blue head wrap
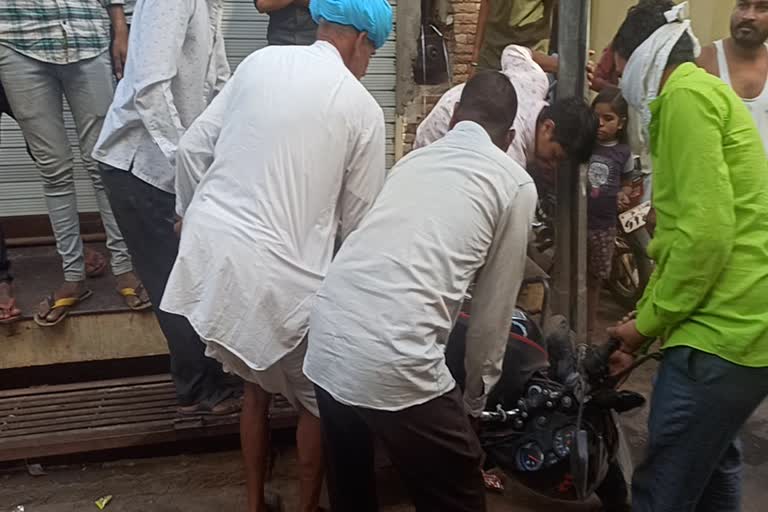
x: 289, y: 154
x: 374, y: 17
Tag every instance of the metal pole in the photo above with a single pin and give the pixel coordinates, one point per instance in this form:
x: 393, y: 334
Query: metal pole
x: 570, y: 289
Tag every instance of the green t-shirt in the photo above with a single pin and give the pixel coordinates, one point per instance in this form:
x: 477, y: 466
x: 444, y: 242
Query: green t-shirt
x: 521, y: 22
x: 710, y: 192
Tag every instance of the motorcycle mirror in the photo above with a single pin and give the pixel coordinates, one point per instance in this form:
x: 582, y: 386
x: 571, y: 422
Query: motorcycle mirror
x: 580, y: 464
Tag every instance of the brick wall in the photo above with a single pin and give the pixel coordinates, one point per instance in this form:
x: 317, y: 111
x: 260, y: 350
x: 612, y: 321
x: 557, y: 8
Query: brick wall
x: 462, y: 37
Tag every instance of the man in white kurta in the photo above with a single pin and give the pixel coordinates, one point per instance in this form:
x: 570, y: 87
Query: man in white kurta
x: 532, y: 86
x: 453, y: 213
x: 292, y: 148
x: 545, y: 135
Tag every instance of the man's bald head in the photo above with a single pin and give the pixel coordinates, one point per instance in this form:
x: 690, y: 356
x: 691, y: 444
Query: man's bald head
x: 490, y: 100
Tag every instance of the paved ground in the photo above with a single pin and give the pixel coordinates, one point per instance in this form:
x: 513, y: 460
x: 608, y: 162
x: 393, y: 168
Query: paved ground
x: 207, y: 482
x: 214, y: 481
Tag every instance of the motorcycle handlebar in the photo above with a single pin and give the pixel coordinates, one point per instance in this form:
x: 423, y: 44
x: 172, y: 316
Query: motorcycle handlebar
x: 596, y: 362
x: 496, y: 417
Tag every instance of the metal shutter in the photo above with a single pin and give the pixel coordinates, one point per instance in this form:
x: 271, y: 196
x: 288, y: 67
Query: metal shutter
x: 245, y: 31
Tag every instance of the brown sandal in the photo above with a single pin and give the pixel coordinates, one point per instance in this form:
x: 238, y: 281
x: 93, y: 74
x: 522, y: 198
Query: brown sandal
x: 65, y: 304
x: 95, y: 263
x: 224, y: 408
x: 136, y: 298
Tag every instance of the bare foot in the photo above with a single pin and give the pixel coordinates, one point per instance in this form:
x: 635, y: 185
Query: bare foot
x: 8, y: 309
x: 129, y: 280
x: 66, y: 290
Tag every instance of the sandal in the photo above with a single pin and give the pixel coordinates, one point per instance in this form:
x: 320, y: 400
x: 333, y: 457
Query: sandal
x: 136, y: 298
x: 95, y: 263
x: 223, y: 408
x: 66, y: 304
x: 14, y: 315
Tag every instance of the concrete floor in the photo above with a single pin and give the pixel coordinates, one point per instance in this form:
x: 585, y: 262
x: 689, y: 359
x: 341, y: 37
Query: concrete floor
x: 214, y: 481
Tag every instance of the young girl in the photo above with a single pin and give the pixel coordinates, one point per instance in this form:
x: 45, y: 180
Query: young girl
x: 609, y: 169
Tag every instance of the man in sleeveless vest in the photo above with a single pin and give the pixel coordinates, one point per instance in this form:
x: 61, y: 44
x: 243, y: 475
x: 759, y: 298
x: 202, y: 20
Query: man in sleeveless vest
x: 741, y: 61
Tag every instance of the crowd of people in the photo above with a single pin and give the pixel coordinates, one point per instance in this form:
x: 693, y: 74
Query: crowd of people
x: 256, y: 215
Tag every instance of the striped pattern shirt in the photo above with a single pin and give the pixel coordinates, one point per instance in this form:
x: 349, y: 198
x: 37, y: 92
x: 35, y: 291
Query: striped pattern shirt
x: 56, y: 31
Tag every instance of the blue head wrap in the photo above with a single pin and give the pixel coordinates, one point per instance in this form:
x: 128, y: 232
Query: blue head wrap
x: 371, y: 16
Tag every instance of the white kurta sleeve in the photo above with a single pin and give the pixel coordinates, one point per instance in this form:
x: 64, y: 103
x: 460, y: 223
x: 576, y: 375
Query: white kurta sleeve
x: 197, y: 146
x: 494, y: 300
x: 221, y: 64
x: 159, y: 40
x: 364, y: 177
x: 437, y: 123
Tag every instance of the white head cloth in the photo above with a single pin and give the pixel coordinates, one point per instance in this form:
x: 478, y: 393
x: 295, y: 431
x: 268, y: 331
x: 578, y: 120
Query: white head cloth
x: 642, y: 76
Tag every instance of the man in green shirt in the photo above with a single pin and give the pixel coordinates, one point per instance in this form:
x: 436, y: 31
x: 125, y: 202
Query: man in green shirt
x: 708, y: 298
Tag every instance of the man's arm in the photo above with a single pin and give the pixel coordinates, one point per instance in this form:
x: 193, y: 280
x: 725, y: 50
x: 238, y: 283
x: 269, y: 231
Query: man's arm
x: 705, y: 229
x: 222, y: 68
x: 493, y: 302
x: 365, y: 175
x: 159, y: 42
x: 267, y: 6
x: 197, y: 146
x: 548, y: 63
x: 119, y: 36
x: 482, y: 21
x: 551, y: 64
x: 604, y: 71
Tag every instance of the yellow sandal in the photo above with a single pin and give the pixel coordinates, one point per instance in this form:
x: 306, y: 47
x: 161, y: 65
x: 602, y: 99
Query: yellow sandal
x: 127, y: 293
x: 66, y: 303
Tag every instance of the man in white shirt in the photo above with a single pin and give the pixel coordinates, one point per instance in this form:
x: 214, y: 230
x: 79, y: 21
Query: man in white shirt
x: 176, y: 63
x: 451, y: 212
x: 545, y: 134
x: 293, y: 147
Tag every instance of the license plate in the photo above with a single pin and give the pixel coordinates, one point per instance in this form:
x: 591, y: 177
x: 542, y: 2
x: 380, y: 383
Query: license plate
x: 634, y: 219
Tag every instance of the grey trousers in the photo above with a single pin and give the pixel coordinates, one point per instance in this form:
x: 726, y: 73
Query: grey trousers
x: 700, y: 403
x: 35, y: 90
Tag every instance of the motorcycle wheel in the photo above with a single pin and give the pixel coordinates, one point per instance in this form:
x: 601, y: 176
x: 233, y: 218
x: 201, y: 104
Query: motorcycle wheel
x: 630, y: 271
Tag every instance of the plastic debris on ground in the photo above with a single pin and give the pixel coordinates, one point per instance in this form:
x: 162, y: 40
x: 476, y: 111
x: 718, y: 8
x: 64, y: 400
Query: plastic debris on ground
x: 36, y: 470
x: 102, y: 502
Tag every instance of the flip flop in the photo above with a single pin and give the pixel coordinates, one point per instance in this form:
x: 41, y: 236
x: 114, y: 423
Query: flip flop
x: 66, y: 304
x: 9, y: 306
x: 97, y: 263
x: 127, y: 293
x: 224, y: 408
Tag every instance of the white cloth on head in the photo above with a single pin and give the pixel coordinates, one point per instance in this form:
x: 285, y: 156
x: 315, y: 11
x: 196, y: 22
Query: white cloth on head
x: 293, y: 146
x: 642, y: 75
x: 531, y: 85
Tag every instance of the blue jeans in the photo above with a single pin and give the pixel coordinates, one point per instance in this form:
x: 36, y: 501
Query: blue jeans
x: 700, y: 403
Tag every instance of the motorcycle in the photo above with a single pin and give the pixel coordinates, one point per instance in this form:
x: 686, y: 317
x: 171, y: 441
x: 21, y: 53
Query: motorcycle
x: 551, y: 421
x: 631, y: 267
